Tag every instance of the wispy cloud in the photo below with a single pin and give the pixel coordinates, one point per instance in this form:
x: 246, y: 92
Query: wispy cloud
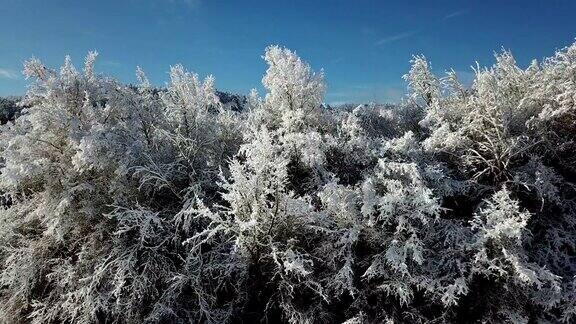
x: 456, y: 14
x: 394, y: 38
x: 8, y: 74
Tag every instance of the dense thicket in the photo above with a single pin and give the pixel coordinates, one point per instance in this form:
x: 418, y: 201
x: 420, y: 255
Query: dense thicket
x: 134, y: 204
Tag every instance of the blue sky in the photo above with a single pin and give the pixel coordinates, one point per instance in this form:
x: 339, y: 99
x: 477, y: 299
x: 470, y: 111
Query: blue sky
x: 363, y: 46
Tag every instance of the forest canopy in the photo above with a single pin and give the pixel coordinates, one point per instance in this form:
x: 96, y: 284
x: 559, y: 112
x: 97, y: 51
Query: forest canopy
x: 133, y: 204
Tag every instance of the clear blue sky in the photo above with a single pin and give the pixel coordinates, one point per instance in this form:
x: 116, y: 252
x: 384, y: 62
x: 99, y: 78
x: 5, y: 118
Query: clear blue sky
x: 363, y: 46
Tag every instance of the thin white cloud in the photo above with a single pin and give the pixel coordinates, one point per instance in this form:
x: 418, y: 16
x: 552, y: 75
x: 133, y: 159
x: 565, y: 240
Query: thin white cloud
x: 7, y: 74
x: 394, y: 38
x: 456, y: 14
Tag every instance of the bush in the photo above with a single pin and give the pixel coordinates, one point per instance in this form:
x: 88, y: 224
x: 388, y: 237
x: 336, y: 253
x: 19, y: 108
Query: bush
x: 135, y: 204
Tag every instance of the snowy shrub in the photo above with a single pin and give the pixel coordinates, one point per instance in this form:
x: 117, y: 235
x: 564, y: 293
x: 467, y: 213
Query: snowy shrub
x: 137, y: 204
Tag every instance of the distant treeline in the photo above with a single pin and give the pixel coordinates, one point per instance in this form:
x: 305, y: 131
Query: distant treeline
x: 9, y: 108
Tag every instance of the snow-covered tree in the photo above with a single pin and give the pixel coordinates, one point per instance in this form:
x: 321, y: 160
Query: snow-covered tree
x: 143, y: 204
